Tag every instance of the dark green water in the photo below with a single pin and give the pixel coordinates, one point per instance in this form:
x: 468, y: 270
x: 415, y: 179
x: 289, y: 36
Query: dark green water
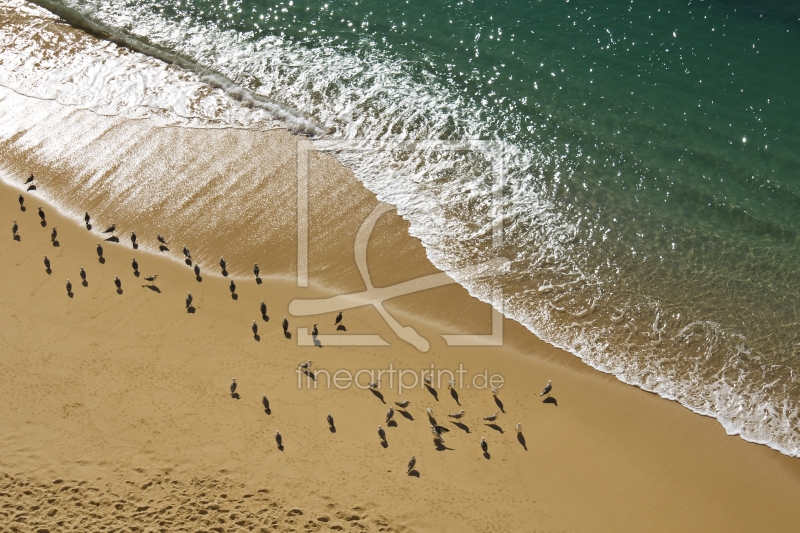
x: 649, y: 155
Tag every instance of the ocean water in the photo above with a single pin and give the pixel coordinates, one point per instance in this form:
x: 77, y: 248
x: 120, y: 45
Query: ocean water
x: 638, y: 163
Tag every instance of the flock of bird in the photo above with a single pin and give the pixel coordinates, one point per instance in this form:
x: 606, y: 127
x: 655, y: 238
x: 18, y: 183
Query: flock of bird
x: 435, y: 429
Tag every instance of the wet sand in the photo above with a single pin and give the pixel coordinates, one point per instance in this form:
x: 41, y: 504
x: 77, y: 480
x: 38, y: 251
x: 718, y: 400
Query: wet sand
x: 125, y: 396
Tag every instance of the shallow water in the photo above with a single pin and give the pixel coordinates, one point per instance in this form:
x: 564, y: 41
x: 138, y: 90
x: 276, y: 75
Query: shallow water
x: 638, y: 164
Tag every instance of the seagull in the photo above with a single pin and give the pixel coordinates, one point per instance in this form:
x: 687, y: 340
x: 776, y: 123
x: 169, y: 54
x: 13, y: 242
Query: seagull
x: 222, y: 264
x: 233, y: 287
x: 53, y: 234
x: 518, y: 427
x: 484, y: 446
x: 492, y: 418
x: 111, y: 228
x: 403, y: 404
x: 233, y: 386
x: 305, y: 366
x: 256, y: 270
x: 389, y: 414
x: 197, y: 270
x: 21, y: 200
x: 265, y: 402
x: 457, y: 415
x: 279, y: 439
x: 254, y: 327
x: 27, y: 181
x: 411, y: 464
x: 547, y: 388
x: 86, y: 217
x: 374, y: 384
x: 151, y: 279
x: 315, y: 331
x: 46, y: 263
x: 133, y: 237
x: 263, y: 309
x: 338, y: 318
x: 186, y: 252
x: 495, y: 390
x: 430, y: 412
x: 381, y: 433
x: 41, y: 213
x: 451, y: 384
x: 99, y: 251
x: 83, y: 274
x: 162, y: 240
x: 189, y: 299
x: 436, y: 434
x: 69, y: 287
x: 427, y: 381
x: 285, y: 324
x: 14, y: 229
x: 329, y: 418
x: 135, y: 265
x: 118, y: 283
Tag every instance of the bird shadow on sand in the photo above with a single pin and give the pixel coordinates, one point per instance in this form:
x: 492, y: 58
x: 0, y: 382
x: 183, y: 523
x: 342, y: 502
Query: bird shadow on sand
x: 317, y: 342
x: 234, y: 296
x: 341, y: 327
x: 310, y: 374
x: 56, y: 244
x: 431, y: 420
x: 265, y: 318
x: 102, y: 260
x: 391, y: 424
x: 433, y: 392
x: 259, y: 281
x: 257, y: 337
x: 521, y: 439
x: 236, y: 396
x: 487, y: 455
x: 153, y: 288
x: 280, y: 447
x: 191, y: 309
x: 495, y: 427
x: 199, y: 278
x: 44, y: 223
x: 49, y: 271
x: 440, y: 446
x: 85, y: 283
x: 188, y: 262
x: 23, y: 208
x: 119, y: 291
x: 89, y: 227
x: 550, y: 399
x: 384, y: 444
x: 454, y: 394
x: 268, y: 411
x: 224, y: 272
x: 287, y: 334
x: 405, y: 414
x: 136, y: 273
x: 499, y: 404
x: 135, y: 246
x: 414, y: 473
x: 378, y: 395
x: 70, y: 294
x: 17, y: 238
x: 113, y: 239
x: 332, y: 429
x: 163, y: 248
x: 461, y: 425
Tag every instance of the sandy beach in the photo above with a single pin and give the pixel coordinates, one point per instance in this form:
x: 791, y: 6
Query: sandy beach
x: 116, y: 407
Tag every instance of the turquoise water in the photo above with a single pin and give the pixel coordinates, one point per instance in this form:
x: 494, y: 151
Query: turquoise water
x: 646, y: 159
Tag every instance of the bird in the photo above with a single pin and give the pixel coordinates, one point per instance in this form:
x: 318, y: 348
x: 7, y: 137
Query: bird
x: 189, y: 299
x: 338, y: 318
x: 46, y: 263
x: 256, y: 270
x: 151, y: 279
x: 411, y: 464
x: 547, y: 388
x: 495, y: 390
x: 263, y: 309
x: 83, y: 274
x: 233, y: 287
x: 518, y: 427
x: 381, y: 433
x: 233, y: 386
x: 86, y: 217
x: 403, y: 404
x: 374, y: 384
x: 427, y: 380
x: 305, y: 366
x: 222, y: 264
x: 27, y: 181
x: 484, y: 446
x: 457, y: 415
x: 430, y: 412
x: 329, y: 418
x: 111, y: 228
x: 118, y: 283
x: 69, y: 287
x: 53, y: 234
x: 493, y: 417
x: 162, y: 240
x: 436, y: 434
x: 186, y: 252
x: 315, y: 331
x: 135, y: 265
x: 389, y: 414
x: 279, y: 439
x: 99, y: 251
x: 197, y: 270
x: 285, y: 325
x: 21, y: 200
x: 451, y: 384
x: 14, y: 229
x: 41, y: 213
x: 133, y: 237
x: 254, y: 327
x: 265, y: 402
